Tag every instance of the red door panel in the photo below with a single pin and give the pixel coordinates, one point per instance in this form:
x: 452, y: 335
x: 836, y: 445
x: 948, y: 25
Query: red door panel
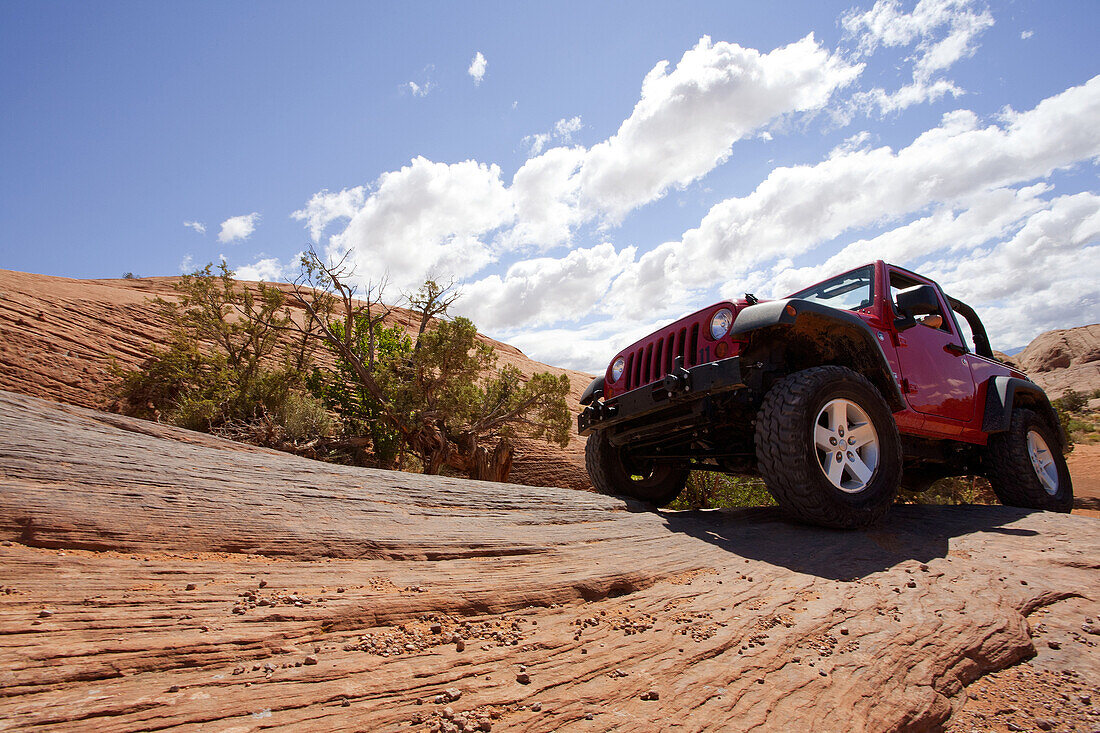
x: 940, y: 382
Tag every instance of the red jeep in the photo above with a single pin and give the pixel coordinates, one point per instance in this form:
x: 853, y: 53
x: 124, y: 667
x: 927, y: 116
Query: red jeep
x: 834, y: 395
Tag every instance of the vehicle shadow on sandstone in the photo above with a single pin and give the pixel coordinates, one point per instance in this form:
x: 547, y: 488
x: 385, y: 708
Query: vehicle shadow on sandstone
x: 909, y: 533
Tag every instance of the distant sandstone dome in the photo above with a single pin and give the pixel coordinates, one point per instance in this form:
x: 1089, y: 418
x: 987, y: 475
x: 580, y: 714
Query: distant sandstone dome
x: 1064, y: 359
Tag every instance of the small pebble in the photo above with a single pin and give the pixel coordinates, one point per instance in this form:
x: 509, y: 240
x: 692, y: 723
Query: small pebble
x: 1054, y: 644
x: 191, y: 586
x: 263, y: 583
x: 536, y: 706
x: 843, y: 630
x: 311, y: 659
x: 523, y: 678
x: 345, y: 703
x: 651, y: 695
x: 174, y: 688
x: 45, y: 613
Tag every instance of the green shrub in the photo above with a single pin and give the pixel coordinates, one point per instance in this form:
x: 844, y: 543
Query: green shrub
x: 1071, y: 401
x: 955, y: 490
x: 303, y: 417
x: 709, y: 490
x: 194, y: 412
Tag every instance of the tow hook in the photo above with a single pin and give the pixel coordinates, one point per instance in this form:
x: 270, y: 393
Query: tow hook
x: 679, y: 379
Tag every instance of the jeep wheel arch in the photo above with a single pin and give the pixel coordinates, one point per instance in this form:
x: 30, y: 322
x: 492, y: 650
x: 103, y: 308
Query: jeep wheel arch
x: 592, y: 391
x: 1002, y: 394
x: 813, y: 334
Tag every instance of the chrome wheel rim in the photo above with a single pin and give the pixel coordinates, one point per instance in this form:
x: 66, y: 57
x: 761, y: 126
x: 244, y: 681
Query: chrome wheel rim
x: 846, y: 444
x: 1042, y: 460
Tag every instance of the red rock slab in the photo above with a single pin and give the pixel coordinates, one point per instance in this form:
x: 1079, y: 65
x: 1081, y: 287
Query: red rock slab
x: 146, y: 582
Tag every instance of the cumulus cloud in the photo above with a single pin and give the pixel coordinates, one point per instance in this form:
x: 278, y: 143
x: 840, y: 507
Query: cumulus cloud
x: 187, y: 264
x: 943, y: 31
x: 689, y: 117
x: 426, y: 218
x: 238, y: 227
x: 267, y: 269
x: 325, y: 207
x: 197, y: 226
x: 544, y: 291
x: 798, y: 208
x: 477, y: 68
x: 432, y: 217
x: 1024, y: 35
x: 419, y: 90
x: 684, y: 125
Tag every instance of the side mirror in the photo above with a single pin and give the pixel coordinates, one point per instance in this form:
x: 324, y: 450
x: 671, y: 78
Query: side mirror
x: 916, y: 301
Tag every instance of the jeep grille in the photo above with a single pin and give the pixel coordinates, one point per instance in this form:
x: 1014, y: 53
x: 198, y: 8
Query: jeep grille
x: 653, y: 359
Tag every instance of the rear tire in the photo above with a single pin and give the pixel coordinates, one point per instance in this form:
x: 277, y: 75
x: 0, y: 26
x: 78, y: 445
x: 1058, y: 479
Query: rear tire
x: 1026, y: 465
x: 828, y: 448
x: 612, y: 472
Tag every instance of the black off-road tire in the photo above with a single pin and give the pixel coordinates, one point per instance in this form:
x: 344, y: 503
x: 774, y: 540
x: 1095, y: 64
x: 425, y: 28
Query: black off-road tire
x: 1010, y: 470
x: 788, y: 459
x: 611, y: 474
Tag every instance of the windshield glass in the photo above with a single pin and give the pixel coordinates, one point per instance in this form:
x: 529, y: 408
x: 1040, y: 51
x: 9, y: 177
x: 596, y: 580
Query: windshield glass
x: 850, y: 291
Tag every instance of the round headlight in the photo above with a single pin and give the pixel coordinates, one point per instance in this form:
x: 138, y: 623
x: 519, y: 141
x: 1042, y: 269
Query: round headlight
x: 617, y: 369
x: 720, y: 323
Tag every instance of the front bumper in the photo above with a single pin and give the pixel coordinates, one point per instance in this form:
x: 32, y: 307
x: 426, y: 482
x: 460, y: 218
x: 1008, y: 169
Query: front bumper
x: 677, y: 389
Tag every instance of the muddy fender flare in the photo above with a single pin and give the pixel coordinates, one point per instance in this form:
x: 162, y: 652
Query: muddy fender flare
x: 592, y: 391
x: 1003, y: 393
x: 795, y: 314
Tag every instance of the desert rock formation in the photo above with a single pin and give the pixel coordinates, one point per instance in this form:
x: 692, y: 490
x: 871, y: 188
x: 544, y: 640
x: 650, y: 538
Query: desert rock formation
x: 59, y: 338
x: 155, y: 578
x: 1064, y: 359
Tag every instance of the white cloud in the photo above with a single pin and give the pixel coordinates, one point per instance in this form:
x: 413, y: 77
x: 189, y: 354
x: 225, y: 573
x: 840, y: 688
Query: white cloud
x: 419, y: 90
x: 546, y: 290
x: 545, y: 195
x: 197, y: 226
x: 944, y: 31
x: 562, y: 132
x: 1024, y: 35
x: 325, y: 207
x: 427, y: 218
x: 798, y: 208
x: 477, y: 68
x: 267, y: 269
x: 689, y: 117
x: 1041, y: 278
x: 238, y: 227
x: 187, y: 265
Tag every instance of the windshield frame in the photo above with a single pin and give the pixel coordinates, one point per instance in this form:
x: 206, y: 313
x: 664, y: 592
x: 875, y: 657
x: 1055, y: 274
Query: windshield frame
x: 869, y: 270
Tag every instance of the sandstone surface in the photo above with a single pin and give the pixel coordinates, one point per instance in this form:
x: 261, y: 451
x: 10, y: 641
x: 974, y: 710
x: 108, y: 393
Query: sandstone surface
x: 157, y: 579
x: 1064, y: 359
x: 60, y: 337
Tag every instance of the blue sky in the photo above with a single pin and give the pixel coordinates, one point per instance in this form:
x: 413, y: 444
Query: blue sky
x: 778, y: 143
